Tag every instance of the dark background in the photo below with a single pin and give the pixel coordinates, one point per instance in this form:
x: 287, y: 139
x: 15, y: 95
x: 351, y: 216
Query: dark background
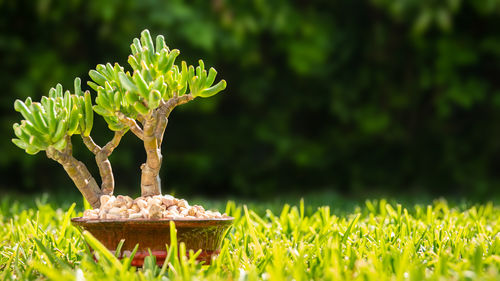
x: 352, y: 96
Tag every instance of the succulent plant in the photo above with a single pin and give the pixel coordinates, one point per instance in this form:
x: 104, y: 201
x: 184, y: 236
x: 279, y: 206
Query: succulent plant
x: 140, y: 101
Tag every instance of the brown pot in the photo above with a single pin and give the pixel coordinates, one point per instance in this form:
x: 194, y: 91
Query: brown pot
x: 204, y: 234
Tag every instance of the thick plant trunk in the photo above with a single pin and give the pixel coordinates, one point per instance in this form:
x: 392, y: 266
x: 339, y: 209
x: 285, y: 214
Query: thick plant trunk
x: 80, y: 176
x: 150, y: 178
x: 84, y: 182
x: 101, y: 157
x: 152, y: 136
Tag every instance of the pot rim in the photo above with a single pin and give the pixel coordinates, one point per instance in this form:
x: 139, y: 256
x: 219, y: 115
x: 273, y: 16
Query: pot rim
x: 178, y: 222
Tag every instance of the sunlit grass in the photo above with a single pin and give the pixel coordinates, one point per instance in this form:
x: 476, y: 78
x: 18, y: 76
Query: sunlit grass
x: 376, y: 241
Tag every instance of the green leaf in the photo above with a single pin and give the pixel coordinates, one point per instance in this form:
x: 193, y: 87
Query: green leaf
x: 127, y: 83
x: 89, y: 114
x: 49, y: 255
x: 61, y: 144
x: 147, y: 41
x: 44, y: 102
x: 21, y: 144
x: 158, y: 84
x: 39, y: 118
x: 67, y: 101
x: 38, y: 143
x: 21, y: 107
x: 60, y: 131
x: 202, y: 79
x: 74, y: 119
x: 200, y: 68
x: 32, y: 131
x: 146, y: 56
x: 117, y: 100
x: 108, y: 71
x: 160, y: 43
x: 103, y: 100
x: 59, y: 91
x: 137, y: 45
x: 103, y: 252
x: 116, y: 69
x: 113, y: 123
x: 52, y: 93
x: 32, y: 150
x: 20, y: 133
x: 97, y: 77
x: 78, y: 86
x: 141, y: 108
x: 119, y: 248
x: 76, y: 111
x: 133, y: 63
x: 141, y: 84
x: 154, y: 99
x: 134, y: 49
x: 128, y: 260
x: 349, y: 229
x: 211, y: 77
x: 163, y: 59
x: 101, y: 111
x: 170, y: 60
x: 51, y: 115
x: 213, y: 90
x: 93, y: 85
x: 132, y: 97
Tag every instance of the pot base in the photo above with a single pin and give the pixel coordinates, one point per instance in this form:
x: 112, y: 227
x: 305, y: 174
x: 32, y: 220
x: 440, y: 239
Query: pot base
x: 153, y: 235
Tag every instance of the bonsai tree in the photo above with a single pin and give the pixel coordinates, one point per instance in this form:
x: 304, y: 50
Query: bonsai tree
x: 139, y: 100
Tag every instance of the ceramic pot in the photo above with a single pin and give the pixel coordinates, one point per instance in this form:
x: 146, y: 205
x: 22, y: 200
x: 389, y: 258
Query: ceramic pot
x: 204, y: 234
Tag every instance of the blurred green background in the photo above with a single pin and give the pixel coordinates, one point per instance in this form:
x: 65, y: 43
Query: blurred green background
x: 353, y: 96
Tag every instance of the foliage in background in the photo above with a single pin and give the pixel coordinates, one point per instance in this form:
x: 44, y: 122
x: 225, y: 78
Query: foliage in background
x: 351, y: 94
x: 377, y: 241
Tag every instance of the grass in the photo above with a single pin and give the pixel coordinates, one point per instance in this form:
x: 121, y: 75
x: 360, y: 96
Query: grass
x: 375, y: 240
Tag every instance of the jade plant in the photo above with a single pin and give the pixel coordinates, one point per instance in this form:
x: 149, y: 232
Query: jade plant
x: 139, y: 100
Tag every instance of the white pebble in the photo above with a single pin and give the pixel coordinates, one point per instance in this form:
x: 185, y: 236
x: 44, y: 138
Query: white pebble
x: 183, y: 203
x: 142, y: 204
x: 145, y: 213
x: 167, y: 202
x: 104, y: 199
x: 135, y: 216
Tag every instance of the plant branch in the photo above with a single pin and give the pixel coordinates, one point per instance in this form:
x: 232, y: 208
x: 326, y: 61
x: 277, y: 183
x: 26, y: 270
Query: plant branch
x: 167, y: 107
x: 113, y: 143
x: 163, y: 112
x: 160, y: 128
x: 105, y: 170
x: 69, y: 145
x: 103, y: 163
x: 141, y: 119
x: 79, y: 173
x: 91, y: 145
x: 129, y: 122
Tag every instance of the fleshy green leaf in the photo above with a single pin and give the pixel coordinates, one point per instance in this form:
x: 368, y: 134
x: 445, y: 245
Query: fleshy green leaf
x: 97, y: 77
x: 213, y: 90
x: 127, y: 83
x: 89, y: 114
